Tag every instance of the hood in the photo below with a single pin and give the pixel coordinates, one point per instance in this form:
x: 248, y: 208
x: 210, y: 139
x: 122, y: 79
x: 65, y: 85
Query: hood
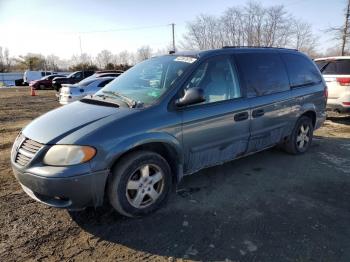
x: 58, y: 123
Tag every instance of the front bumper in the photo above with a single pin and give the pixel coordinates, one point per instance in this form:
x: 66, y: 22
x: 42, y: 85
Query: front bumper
x: 75, y: 192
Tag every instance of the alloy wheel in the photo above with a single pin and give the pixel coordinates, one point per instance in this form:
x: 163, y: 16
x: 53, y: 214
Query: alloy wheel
x: 303, y: 137
x: 145, y: 186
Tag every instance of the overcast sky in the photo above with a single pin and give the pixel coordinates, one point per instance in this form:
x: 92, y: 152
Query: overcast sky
x: 54, y: 26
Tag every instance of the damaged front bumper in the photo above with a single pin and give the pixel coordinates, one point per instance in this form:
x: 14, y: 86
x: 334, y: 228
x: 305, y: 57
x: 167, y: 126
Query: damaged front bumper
x: 73, y: 192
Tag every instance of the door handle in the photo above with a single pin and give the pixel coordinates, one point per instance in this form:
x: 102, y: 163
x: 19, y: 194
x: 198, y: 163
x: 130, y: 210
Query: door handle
x: 241, y: 116
x: 258, y: 113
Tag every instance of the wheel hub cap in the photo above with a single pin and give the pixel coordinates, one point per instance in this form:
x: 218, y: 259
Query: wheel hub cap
x: 145, y: 186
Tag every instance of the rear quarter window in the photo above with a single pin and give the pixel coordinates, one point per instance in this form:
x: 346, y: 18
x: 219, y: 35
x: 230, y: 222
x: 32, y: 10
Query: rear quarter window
x: 301, y: 70
x: 263, y: 73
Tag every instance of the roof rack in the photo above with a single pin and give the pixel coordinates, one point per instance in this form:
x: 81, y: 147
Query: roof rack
x: 248, y: 46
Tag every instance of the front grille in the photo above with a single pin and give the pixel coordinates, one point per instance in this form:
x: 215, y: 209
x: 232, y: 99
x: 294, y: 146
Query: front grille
x: 26, y: 151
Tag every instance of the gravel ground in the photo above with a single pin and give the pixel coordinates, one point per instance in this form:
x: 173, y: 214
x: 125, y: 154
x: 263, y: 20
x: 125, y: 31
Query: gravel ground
x: 267, y: 207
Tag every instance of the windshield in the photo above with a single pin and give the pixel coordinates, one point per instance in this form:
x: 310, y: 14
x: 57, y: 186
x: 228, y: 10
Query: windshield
x: 148, y: 80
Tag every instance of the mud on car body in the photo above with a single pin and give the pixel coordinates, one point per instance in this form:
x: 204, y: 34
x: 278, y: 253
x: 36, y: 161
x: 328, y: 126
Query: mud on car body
x: 165, y: 118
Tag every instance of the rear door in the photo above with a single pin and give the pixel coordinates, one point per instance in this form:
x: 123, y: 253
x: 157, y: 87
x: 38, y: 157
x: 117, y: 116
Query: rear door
x: 269, y: 97
x: 216, y: 130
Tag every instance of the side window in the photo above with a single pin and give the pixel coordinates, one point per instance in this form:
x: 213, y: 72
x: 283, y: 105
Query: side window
x: 78, y: 75
x: 218, y: 78
x: 264, y: 73
x: 103, y: 83
x: 301, y: 70
x: 42, y: 73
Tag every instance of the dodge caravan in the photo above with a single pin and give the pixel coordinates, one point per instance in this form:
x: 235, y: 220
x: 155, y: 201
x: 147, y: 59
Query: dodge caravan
x: 165, y: 118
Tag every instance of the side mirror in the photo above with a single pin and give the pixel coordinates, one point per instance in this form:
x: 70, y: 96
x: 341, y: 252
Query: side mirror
x: 192, y: 96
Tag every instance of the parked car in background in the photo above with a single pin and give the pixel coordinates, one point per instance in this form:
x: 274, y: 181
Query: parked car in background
x: 165, y: 118
x: 45, y: 82
x: 105, y: 73
x: 336, y: 72
x: 71, y: 93
x: 29, y: 76
x: 73, y: 78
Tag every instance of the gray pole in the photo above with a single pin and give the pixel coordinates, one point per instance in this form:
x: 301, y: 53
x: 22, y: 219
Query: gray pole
x: 173, y: 29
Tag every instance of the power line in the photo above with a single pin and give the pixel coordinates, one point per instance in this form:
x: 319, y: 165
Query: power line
x: 119, y: 29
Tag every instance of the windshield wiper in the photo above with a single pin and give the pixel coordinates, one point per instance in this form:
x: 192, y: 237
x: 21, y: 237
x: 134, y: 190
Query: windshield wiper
x: 98, y: 102
x: 130, y: 102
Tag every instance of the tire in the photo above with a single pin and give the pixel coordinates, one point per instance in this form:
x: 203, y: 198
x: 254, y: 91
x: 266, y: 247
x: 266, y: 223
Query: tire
x: 41, y: 86
x: 301, y: 138
x: 129, y: 188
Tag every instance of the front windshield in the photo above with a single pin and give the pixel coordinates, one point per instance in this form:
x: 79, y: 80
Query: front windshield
x: 148, y: 80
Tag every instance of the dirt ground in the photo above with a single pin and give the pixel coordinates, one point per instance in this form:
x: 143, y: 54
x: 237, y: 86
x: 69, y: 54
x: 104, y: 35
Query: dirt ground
x: 267, y: 207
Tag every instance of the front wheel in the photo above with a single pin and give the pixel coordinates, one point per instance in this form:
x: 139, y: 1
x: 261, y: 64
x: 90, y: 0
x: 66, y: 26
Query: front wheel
x: 140, y: 183
x: 300, y: 139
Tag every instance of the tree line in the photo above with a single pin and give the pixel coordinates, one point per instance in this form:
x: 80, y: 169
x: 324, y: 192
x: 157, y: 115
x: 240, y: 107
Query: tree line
x: 103, y: 60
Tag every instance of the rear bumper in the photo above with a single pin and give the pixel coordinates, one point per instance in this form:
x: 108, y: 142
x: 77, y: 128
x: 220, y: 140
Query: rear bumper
x: 76, y: 192
x: 338, y: 107
x: 56, y: 86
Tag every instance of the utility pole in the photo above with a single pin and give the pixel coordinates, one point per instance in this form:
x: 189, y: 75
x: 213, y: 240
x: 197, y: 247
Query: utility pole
x: 345, y: 30
x: 81, y: 51
x: 173, y: 30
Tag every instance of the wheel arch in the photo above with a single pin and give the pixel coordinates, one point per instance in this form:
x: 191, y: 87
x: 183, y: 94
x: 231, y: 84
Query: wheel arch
x: 164, y: 144
x: 311, y: 114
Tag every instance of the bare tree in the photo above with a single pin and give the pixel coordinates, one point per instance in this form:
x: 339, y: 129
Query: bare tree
x: 144, y: 53
x: 52, y: 62
x: 31, y: 61
x: 303, y: 38
x: 203, y: 33
x: 104, y: 58
x: 342, y: 33
x: 7, y: 59
x: 250, y: 25
x: 124, y: 58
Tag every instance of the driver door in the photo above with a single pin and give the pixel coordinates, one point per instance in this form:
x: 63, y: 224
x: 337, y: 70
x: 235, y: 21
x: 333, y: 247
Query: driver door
x: 216, y: 130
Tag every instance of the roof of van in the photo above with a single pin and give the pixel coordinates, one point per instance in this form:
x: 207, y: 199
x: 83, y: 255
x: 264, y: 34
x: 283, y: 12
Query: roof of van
x: 332, y: 58
x: 231, y: 49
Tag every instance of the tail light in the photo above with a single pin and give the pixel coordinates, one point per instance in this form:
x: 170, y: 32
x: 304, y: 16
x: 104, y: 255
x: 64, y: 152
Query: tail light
x: 325, y: 92
x: 343, y: 81
x: 346, y: 103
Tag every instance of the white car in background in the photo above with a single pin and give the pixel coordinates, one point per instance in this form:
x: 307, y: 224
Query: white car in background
x: 336, y: 73
x: 70, y: 93
x: 30, y: 76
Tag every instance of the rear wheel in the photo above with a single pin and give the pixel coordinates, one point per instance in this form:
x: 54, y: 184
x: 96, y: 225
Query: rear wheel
x: 140, y: 183
x: 301, y: 138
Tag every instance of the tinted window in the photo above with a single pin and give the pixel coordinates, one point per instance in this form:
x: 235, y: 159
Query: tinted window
x: 301, y: 70
x: 264, y: 73
x: 321, y: 63
x: 218, y: 78
x: 78, y: 75
x: 103, y: 83
x: 337, y: 67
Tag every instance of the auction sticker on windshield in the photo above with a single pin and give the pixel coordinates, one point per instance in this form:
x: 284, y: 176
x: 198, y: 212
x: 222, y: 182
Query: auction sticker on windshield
x: 185, y: 59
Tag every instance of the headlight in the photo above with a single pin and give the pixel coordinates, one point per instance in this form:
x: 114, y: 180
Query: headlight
x: 66, y: 155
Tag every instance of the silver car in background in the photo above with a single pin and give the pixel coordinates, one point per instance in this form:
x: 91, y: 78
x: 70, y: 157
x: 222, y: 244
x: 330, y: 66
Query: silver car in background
x: 71, y: 93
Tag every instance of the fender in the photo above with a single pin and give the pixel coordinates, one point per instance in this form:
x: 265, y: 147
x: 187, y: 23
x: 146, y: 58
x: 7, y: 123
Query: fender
x: 130, y: 143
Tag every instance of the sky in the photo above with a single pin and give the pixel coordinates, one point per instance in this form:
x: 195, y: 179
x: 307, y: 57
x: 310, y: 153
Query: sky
x: 61, y: 27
